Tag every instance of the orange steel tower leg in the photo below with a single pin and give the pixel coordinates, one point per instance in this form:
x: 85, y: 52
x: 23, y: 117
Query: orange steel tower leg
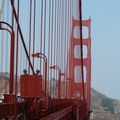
x: 87, y: 43
x: 75, y: 81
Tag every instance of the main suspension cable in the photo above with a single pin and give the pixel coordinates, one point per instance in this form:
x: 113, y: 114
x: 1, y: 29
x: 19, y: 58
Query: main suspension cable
x: 17, y: 50
x: 21, y: 35
x: 81, y: 46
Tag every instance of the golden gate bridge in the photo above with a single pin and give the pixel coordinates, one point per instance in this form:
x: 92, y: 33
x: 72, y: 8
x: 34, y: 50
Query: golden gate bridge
x: 42, y: 52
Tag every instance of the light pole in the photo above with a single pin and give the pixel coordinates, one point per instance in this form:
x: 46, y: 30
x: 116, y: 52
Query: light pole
x: 65, y: 78
x: 41, y: 55
x: 11, y: 53
x: 59, y: 79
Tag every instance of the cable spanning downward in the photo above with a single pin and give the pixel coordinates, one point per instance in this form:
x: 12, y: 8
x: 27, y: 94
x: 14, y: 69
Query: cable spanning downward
x: 53, y: 84
x: 81, y: 46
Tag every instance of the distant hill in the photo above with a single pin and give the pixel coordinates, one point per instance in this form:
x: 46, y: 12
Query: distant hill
x: 104, y: 108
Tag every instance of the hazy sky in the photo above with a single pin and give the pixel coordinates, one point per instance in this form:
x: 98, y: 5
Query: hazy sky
x: 105, y: 15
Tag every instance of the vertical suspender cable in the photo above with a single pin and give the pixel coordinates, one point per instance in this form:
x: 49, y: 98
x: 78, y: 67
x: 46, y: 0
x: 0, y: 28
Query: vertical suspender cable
x: 1, y: 17
x: 54, y: 50
x: 66, y: 42
x: 34, y: 29
x: 52, y: 38
x: 56, y: 40
x: 27, y: 64
x: 62, y: 35
x: 66, y: 33
x: 60, y: 32
x: 68, y: 37
x: 81, y: 46
x: 44, y: 27
x: 45, y: 84
x: 30, y: 18
x: 61, y: 48
x: 57, y: 35
x: 21, y: 58
x: 52, y: 33
x: 64, y: 38
x: 7, y: 39
x: 44, y: 40
x: 60, y: 21
x: 49, y: 88
x: 16, y: 82
x: 2, y: 47
x: 41, y: 31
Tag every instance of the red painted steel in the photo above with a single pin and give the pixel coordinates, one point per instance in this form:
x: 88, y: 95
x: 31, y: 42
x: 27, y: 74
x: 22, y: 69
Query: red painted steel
x: 69, y: 109
x: 31, y: 86
x: 59, y: 79
x: 9, y: 98
x: 11, y: 53
x: 7, y: 110
x: 41, y: 55
x: 77, y: 86
x: 35, y: 102
x: 59, y: 115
